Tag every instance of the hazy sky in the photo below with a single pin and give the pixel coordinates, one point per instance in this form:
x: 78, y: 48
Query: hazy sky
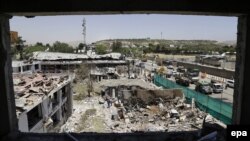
x: 49, y: 29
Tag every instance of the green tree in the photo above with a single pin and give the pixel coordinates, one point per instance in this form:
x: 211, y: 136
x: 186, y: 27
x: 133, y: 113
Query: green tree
x: 27, y: 52
x: 81, y: 46
x: 61, y: 47
x: 101, y: 49
x: 47, y: 45
x: 117, y: 47
x: 20, y: 46
x: 39, y: 44
x: 34, y: 48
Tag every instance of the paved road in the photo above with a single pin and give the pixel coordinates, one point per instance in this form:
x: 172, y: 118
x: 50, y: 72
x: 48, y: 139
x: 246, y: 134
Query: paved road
x: 226, y: 96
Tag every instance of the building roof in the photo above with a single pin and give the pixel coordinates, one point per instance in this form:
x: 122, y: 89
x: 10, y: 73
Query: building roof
x: 127, y: 82
x: 23, y: 63
x: 31, y: 89
x: 71, y: 56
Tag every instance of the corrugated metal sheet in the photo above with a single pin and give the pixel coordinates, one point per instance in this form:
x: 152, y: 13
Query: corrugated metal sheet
x: 71, y: 56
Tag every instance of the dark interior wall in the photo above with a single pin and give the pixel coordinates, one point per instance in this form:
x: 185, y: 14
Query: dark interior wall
x: 55, y: 7
x: 8, y: 110
x: 241, y: 112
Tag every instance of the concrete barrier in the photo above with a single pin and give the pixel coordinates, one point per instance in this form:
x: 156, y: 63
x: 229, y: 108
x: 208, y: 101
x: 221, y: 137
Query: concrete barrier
x: 224, y: 73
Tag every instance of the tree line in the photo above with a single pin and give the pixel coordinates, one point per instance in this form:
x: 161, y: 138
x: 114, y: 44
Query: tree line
x: 19, y: 51
x: 202, y: 48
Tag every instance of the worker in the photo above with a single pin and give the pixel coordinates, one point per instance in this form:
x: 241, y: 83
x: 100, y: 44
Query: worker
x: 108, y: 99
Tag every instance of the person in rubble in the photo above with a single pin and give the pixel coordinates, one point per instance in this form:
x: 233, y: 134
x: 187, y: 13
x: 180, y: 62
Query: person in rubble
x: 102, y: 93
x: 109, y: 102
x: 108, y: 99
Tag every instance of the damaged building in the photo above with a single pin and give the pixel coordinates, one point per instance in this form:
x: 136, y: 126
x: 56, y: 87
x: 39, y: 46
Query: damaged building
x: 139, y: 106
x: 26, y: 66
x: 43, y: 101
x: 101, y: 66
x: 54, y: 61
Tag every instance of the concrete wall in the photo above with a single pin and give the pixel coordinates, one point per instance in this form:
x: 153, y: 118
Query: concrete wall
x: 209, y: 70
x: 30, y: 70
x: 148, y: 95
x: 23, y: 122
x: 47, y: 110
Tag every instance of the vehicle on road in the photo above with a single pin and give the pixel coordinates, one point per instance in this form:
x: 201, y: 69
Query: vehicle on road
x: 203, y: 87
x: 182, y: 81
x: 193, y: 75
x: 170, y: 67
x: 217, y: 87
x: 230, y: 83
x: 181, y: 69
x: 175, y: 73
x: 169, y: 73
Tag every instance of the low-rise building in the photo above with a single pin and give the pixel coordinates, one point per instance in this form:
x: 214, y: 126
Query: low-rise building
x: 43, y: 102
x: 26, y: 66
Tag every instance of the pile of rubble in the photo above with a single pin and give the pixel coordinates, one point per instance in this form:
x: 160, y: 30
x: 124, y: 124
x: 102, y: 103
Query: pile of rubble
x: 30, y: 88
x: 159, y: 115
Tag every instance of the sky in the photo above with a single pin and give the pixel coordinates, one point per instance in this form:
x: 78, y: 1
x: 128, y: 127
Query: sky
x: 48, y: 29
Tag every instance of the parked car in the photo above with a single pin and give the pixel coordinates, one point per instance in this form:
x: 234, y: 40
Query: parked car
x: 217, y: 87
x: 204, y: 88
x: 230, y: 83
x: 175, y: 73
x: 181, y: 69
x: 170, y: 67
x: 169, y: 73
x: 182, y: 81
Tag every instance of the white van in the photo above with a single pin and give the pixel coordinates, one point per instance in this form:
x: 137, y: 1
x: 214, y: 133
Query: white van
x: 230, y: 83
x: 217, y: 87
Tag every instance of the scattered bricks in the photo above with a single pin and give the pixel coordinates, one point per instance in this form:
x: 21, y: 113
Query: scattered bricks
x: 173, y: 113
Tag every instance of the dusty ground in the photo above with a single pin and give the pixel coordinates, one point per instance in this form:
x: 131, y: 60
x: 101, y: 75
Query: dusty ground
x: 88, y: 116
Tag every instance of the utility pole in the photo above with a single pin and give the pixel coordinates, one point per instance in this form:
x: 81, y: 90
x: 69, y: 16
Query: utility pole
x: 84, y: 31
x: 161, y: 35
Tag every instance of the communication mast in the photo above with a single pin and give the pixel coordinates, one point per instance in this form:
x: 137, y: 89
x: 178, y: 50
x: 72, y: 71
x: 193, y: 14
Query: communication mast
x: 84, y: 30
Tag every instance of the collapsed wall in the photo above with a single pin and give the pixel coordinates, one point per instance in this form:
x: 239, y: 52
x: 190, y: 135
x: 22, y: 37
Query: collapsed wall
x: 148, y: 95
x: 140, y: 109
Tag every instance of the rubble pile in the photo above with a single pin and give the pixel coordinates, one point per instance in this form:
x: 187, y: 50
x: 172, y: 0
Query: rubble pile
x: 159, y: 115
x: 31, y: 88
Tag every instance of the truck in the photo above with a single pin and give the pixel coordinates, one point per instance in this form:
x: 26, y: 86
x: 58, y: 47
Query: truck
x: 181, y: 69
x: 182, y: 81
x: 192, y: 75
x: 203, y: 87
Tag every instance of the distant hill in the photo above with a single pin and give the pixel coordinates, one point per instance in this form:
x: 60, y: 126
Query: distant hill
x: 229, y: 42
x: 147, y: 41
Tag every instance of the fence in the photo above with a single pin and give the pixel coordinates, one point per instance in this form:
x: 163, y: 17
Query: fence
x: 217, y: 108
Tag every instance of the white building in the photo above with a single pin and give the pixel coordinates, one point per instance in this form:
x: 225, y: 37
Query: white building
x: 26, y: 67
